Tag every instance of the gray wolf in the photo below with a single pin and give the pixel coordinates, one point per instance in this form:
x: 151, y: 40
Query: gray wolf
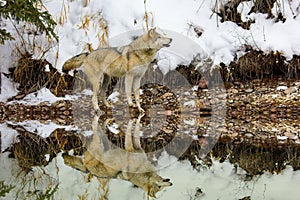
x: 130, y: 61
x: 130, y: 164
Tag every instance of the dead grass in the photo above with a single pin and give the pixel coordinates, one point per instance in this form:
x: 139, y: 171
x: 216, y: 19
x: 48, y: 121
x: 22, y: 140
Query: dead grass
x: 259, y: 65
x: 229, y: 11
x: 148, y: 17
x: 32, y: 74
x: 30, y: 150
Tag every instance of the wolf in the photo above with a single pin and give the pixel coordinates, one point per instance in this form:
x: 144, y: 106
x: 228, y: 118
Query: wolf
x: 130, y: 165
x: 130, y: 61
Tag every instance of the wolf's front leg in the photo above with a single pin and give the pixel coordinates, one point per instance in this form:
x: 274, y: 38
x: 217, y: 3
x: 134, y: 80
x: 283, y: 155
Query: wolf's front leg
x: 136, y: 88
x: 96, y: 81
x: 95, y: 98
x: 128, y: 88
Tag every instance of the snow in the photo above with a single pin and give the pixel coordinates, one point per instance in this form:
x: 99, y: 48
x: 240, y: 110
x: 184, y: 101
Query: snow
x: 281, y: 88
x: 124, y: 18
x: 43, y: 95
x: 220, y: 40
x: 7, y: 88
x: 114, y: 128
x: 80, y: 26
x: 282, y: 137
x: 7, y: 136
x: 114, y: 97
x: 190, y: 103
x: 191, y: 122
x: 42, y: 129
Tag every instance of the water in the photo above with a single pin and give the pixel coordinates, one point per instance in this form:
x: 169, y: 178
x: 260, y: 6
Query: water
x: 228, y: 171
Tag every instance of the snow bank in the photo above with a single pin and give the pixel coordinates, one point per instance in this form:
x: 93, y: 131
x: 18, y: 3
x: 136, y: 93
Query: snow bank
x: 221, y: 41
x: 82, y: 27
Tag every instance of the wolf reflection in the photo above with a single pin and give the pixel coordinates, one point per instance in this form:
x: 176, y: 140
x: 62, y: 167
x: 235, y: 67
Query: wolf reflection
x: 130, y: 164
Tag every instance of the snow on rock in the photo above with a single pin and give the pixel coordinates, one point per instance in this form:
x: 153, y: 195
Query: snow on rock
x: 114, y: 128
x: 190, y: 103
x: 114, y: 97
x: 42, y: 129
x: 43, y: 95
x: 281, y: 88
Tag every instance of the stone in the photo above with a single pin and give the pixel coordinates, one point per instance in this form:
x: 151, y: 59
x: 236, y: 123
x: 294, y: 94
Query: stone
x: 233, y: 91
x: 290, y: 90
x: 248, y: 90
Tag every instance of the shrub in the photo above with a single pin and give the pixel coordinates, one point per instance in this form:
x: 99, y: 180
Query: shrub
x: 28, y: 11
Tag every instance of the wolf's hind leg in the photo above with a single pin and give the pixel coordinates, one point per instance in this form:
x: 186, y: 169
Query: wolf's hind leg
x: 105, y: 82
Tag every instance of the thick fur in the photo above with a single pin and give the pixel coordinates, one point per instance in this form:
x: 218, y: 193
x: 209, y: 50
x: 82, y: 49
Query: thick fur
x: 74, y: 62
x: 130, y: 61
x: 130, y: 165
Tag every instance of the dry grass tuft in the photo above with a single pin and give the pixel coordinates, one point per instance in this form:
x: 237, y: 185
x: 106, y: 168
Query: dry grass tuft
x: 33, y: 74
x: 147, y: 17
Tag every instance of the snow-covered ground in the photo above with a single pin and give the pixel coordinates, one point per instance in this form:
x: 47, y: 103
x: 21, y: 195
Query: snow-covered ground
x: 80, y: 26
x: 220, y: 40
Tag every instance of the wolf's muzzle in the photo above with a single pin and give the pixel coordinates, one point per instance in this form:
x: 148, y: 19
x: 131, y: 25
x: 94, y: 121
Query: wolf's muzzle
x: 167, y: 45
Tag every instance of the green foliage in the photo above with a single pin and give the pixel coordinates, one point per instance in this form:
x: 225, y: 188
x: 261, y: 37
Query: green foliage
x: 28, y: 11
x: 5, y: 188
x: 43, y: 195
x: 4, y: 35
x: 49, y: 194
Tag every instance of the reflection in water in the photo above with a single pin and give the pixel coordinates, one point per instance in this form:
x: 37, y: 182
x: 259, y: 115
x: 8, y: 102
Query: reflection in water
x: 130, y: 165
x: 231, y: 171
x: 39, y: 167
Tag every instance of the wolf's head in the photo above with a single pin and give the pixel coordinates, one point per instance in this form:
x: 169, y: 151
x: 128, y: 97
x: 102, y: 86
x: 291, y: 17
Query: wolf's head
x: 156, y: 184
x: 156, y: 41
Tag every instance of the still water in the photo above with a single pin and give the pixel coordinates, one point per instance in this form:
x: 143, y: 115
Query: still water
x: 43, y: 160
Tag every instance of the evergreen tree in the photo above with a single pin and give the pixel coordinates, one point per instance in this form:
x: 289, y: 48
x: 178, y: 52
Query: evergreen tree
x: 28, y: 11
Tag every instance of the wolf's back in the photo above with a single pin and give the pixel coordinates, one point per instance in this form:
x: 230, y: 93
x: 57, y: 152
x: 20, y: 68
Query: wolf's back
x: 74, y: 62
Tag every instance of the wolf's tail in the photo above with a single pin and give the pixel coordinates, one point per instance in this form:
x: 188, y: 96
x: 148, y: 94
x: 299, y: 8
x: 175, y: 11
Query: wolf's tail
x: 74, y: 62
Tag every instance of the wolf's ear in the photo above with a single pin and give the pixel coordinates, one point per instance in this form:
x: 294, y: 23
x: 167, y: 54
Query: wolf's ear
x: 151, y: 32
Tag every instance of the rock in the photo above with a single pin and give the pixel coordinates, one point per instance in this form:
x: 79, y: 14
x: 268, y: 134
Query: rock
x: 290, y: 135
x: 233, y: 91
x: 222, y: 130
x: 199, y: 193
x: 166, y: 130
x: 230, y: 101
x: 222, y: 96
x: 297, y: 83
x: 249, y: 135
x: 168, y: 94
x: 282, y: 137
x: 248, y: 90
x: 262, y: 90
x: 290, y: 90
